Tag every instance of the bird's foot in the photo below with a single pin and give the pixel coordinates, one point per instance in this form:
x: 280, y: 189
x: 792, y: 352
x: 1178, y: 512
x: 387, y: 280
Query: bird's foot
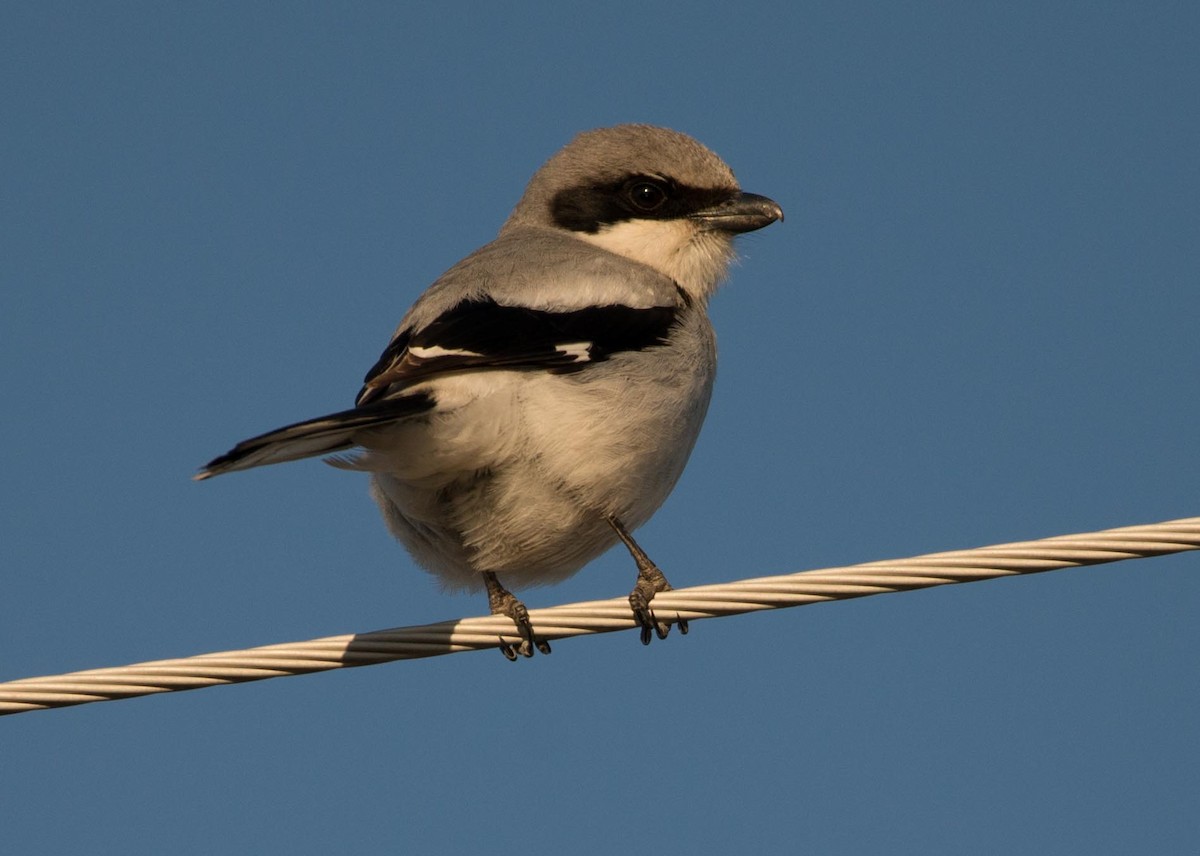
x: 649, y: 583
x: 503, y: 602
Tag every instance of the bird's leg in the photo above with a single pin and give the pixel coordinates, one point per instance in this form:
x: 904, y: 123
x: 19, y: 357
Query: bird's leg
x: 503, y: 602
x: 650, y: 581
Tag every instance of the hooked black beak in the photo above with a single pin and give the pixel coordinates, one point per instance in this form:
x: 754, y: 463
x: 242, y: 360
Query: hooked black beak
x: 742, y: 213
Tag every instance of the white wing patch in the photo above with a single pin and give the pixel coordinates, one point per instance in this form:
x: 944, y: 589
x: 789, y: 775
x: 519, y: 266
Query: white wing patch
x: 433, y: 352
x: 580, y: 352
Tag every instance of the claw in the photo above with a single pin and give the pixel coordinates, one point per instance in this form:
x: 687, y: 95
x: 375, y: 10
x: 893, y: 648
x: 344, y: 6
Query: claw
x: 642, y: 616
x: 662, y: 628
x: 640, y: 605
x: 650, y: 582
x: 649, y: 622
x: 502, y: 602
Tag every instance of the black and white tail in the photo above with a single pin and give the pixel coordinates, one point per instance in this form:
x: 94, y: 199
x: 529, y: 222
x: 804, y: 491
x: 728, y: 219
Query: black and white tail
x: 321, y: 436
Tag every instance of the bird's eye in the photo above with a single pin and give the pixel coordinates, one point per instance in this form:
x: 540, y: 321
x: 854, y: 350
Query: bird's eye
x: 646, y: 195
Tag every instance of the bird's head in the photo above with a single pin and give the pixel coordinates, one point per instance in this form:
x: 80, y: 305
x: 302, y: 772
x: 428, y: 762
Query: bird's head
x: 650, y: 194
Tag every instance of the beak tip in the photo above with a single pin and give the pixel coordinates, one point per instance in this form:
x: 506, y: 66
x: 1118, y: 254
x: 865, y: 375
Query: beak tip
x: 746, y: 212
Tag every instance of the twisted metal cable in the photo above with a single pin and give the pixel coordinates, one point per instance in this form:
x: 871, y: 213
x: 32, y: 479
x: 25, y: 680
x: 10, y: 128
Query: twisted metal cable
x: 602, y: 616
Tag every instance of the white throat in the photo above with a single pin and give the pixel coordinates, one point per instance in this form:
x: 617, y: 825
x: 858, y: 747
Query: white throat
x: 697, y: 259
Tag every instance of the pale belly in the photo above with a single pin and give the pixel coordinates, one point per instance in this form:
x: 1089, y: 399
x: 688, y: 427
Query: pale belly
x: 519, y: 472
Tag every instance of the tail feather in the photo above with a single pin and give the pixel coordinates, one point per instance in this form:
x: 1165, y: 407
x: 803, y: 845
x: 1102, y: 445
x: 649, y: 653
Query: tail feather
x: 321, y: 436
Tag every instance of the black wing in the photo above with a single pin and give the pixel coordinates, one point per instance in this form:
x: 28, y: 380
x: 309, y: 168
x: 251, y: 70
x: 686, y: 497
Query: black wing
x: 474, y: 335
x: 483, y: 334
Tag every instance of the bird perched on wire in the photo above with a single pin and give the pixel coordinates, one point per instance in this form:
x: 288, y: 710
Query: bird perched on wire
x: 539, y: 401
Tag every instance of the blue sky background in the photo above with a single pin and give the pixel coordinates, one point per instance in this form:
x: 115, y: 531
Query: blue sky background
x: 978, y: 324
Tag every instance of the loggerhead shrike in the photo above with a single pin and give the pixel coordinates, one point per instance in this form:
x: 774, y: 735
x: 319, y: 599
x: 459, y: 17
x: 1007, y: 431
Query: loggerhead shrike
x: 539, y: 401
